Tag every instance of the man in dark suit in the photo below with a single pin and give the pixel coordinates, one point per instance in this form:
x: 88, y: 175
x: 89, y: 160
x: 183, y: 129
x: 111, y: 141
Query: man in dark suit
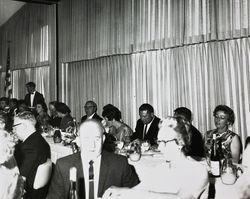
x: 33, y: 97
x: 97, y: 170
x: 90, y: 110
x: 32, y: 151
x: 147, y: 126
x: 197, y: 145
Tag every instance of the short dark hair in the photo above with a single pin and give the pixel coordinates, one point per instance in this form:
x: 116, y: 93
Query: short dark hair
x: 146, y: 107
x: 31, y: 84
x: 62, y: 108
x: 111, y: 112
x: 227, y: 110
x: 5, y: 99
x: 185, y: 112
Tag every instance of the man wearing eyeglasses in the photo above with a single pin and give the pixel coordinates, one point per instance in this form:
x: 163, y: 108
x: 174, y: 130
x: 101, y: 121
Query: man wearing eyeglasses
x: 90, y: 110
x: 32, y: 151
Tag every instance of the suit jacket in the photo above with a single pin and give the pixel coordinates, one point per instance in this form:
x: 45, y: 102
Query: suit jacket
x: 152, y: 131
x: 114, y: 171
x: 95, y: 116
x: 29, y: 155
x: 37, y: 98
x: 197, y: 148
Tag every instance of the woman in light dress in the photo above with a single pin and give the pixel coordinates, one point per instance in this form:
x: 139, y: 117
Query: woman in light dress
x: 179, y: 177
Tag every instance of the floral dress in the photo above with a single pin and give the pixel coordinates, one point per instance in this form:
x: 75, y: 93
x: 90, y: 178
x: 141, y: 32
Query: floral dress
x: 224, y: 139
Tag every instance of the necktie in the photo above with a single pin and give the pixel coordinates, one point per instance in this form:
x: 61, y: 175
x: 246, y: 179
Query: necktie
x: 91, y: 180
x: 144, y: 131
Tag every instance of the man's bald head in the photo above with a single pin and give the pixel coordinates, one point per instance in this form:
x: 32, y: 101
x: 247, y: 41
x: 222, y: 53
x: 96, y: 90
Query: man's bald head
x: 91, y: 136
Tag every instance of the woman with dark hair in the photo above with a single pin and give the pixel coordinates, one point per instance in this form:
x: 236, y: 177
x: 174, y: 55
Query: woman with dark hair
x: 42, y: 117
x: 54, y: 119
x: 112, y: 121
x: 170, y: 178
x: 63, y: 112
x: 230, y: 141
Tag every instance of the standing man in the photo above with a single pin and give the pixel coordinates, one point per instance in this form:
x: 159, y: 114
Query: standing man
x: 197, y: 145
x: 32, y: 151
x: 97, y: 170
x: 147, y: 126
x: 90, y: 110
x: 33, y: 96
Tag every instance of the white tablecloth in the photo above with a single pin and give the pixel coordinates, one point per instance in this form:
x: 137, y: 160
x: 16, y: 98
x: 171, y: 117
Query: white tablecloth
x: 58, y: 150
x: 145, y: 168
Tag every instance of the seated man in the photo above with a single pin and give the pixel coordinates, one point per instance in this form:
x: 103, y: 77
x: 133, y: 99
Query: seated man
x: 90, y: 110
x: 173, y: 178
x: 107, y: 169
x: 197, y: 144
x: 147, y: 126
x: 32, y: 151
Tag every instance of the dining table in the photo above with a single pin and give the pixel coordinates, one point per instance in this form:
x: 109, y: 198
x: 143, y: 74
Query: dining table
x: 58, y: 150
x: 144, y: 167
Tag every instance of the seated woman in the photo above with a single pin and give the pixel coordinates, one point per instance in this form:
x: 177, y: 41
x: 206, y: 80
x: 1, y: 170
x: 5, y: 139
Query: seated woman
x: 11, y: 182
x: 54, y: 119
x: 112, y: 117
x: 230, y: 141
x: 42, y: 117
x: 63, y: 112
x: 170, y: 179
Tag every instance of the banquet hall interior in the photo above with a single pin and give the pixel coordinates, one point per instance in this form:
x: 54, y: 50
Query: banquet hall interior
x: 167, y: 53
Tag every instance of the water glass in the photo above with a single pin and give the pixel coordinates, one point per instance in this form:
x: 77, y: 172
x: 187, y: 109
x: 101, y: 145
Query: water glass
x: 228, y: 172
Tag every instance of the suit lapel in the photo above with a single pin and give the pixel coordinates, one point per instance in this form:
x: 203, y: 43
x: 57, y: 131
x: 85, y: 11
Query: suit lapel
x: 80, y: 178
x: 103, y: 172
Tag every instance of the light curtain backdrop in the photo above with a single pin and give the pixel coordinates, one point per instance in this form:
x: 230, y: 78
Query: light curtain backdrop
x: 199, y: 77
x: 145, y: 50
x: 29, y: 36
x: 39, y: 75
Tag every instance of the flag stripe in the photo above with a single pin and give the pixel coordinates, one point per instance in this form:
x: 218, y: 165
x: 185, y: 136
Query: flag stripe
x: 7, y: 87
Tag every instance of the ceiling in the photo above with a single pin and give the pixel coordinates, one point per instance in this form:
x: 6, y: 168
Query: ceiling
x: 8, y: 8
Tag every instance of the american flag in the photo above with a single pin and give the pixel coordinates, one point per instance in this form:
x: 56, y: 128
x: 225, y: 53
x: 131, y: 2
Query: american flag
x: 7, y: 87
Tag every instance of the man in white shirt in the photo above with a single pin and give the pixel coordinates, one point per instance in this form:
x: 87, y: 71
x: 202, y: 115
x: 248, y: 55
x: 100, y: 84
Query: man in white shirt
x: 33, y: 97
x: 147, y: 126
x: 97, y: 169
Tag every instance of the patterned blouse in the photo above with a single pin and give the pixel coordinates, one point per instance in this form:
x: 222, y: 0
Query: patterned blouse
x: 225, y: 139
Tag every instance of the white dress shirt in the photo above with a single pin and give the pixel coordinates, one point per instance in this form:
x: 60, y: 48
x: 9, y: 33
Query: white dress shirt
x: 90, y: 117
x: 148, y: 126
x: 32, y: 95
x: 96, y: 165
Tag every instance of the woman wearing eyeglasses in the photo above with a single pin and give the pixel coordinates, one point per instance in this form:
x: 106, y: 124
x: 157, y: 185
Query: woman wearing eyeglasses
x: 230, y: 142
x: 175, y: 178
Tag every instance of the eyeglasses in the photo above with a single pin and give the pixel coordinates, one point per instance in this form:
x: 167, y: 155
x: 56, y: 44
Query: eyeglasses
x: 223, y: 117
x: 165, y: 142
x: 16, y: 124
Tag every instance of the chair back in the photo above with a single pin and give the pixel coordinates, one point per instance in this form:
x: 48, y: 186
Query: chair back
x: 43, y: 174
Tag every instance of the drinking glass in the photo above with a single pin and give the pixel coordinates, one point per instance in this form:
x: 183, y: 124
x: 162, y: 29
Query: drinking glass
x: 145, y: 146
x: 135, y: 152
x: 228, y: 172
